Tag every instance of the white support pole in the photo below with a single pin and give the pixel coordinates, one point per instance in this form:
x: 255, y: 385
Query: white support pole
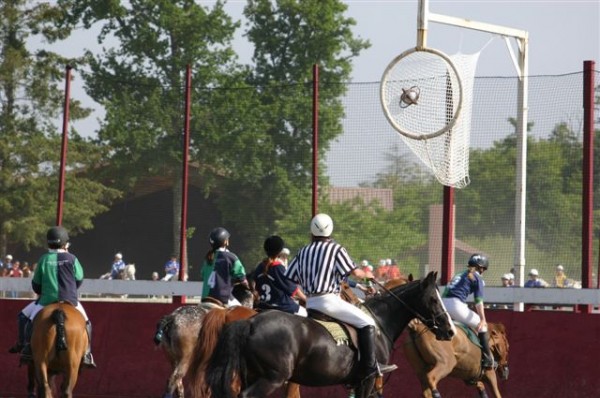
x: 522, y: 37
x: 521, y: 184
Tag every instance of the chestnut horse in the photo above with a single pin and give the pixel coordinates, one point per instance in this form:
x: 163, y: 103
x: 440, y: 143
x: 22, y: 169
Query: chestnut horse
x: 58, y: 343
x: 433, y: 359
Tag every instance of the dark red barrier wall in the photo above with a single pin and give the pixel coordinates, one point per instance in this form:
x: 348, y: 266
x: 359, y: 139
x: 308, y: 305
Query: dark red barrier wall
x: 552, y: 354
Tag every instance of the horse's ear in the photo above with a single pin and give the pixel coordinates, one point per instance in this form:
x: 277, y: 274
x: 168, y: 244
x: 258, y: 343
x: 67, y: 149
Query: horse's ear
x: 411, y: 277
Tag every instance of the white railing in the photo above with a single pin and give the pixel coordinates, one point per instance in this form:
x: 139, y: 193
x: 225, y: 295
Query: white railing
x: 502, y: 295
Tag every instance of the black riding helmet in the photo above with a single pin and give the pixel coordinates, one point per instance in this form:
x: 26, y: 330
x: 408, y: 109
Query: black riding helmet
x: 479, y: 260
x: 57, y: 237
x: 218, y: 236
x: 273, y: 246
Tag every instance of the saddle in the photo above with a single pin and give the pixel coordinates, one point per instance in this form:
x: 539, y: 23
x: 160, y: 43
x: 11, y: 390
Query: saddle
x: 471, y: 335
x: 342, y: 333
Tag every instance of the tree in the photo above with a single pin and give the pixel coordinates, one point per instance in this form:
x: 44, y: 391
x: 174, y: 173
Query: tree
x: 31, y: 99
x: 141, y: 84
x: 289, y: 37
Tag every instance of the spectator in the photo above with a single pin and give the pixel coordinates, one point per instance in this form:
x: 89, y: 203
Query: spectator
x: 155, y: 276
x: 171, y: 269
x: 506, y: 280
x: 284, y: 256
x: 117, y: 266
x: 6, y: 265
x: 560, y: 279
x: 15, y: 272
x: 535, y: 280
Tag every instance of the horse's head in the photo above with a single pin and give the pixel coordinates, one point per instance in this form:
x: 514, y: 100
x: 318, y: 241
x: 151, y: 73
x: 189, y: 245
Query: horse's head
x: 431, y: 309
x: 499, y: 346
x: 416, y: 299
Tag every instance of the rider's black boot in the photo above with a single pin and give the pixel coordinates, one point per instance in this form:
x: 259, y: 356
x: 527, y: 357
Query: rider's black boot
x: 369, y: 365
x: 88, y: 359
x: 26, y: 354
x: 22, y: 321
x: 487, y: 360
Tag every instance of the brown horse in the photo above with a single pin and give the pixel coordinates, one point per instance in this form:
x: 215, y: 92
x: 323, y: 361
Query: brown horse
x: 433, y: 359
x: 212, y: 325
x: 58, y: 343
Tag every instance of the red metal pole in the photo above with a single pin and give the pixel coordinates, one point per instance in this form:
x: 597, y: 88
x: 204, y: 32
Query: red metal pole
x: 184, y: 194
x: 315, y: 143
x: 448, y: 236
x: 588, y: 180
x: 63, y: 152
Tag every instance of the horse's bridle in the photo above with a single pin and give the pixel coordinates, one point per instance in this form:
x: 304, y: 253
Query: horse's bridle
x: 430, y: 323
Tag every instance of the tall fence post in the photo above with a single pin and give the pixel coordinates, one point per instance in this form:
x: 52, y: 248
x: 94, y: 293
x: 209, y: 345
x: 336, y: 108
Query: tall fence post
x: 63, y: 149
x: 588, y: 179
x: 315, y: 143
x: 184, y: 185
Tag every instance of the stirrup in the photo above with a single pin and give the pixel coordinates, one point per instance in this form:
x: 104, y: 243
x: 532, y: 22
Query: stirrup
x: 488, y: 363
x: 383, y: 368
x: 26, y: 354
x: 88, y: 361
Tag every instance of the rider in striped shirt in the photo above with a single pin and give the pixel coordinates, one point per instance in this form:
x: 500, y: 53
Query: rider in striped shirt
x: 320, y: 267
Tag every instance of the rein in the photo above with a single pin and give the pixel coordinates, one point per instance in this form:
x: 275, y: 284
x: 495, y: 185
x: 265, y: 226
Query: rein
x: 421, y: 318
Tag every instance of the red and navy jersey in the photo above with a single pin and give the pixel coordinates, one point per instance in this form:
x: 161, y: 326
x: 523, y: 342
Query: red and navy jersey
x: 274, y: 289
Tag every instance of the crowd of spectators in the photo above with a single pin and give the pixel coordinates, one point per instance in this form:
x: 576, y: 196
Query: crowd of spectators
x: 11, y: 268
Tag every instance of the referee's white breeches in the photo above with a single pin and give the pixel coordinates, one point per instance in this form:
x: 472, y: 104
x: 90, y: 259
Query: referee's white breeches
x: 460, y: 312
x: 33, y: 308
x: 334, y: 306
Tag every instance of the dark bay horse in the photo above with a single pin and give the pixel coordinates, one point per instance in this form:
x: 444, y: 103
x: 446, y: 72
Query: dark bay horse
x: 273, y: 347
x: 433, y: 360
x: 212, y: 326
x: 177, y: 335
x: 58, y: 343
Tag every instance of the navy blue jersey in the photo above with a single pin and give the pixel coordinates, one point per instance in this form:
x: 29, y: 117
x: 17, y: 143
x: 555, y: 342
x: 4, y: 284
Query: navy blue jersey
x: 463, y: 284
x: 228, y: 270
x: 274, y: 289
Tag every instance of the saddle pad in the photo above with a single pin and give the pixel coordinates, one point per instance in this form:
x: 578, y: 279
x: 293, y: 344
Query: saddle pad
x: 469, y: 332
x: 339, y: 334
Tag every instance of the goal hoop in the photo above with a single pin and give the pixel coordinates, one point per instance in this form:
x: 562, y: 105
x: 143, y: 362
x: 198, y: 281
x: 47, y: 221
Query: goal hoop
x: 421, y: 93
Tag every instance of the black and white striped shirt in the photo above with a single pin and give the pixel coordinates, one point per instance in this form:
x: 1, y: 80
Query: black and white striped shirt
x: 320, y: 267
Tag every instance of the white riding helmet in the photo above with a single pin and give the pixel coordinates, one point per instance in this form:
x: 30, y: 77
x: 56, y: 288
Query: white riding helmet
x: 321, y: 225
x: 119, y: 256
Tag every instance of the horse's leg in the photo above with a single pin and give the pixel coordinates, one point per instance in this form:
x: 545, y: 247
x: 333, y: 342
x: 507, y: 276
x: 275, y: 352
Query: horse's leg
x: 489, y: 378
x: 261, y: 388
x: 30, y: 380
x: 481, y: 390
x: 41, y: 375
x: 292, y: 390
x: 71, y: 373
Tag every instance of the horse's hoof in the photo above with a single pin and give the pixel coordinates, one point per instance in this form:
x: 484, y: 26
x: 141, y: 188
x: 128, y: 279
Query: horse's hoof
x: 436, y: 394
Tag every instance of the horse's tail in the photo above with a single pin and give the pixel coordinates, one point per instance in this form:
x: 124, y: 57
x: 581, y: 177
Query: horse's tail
x: 227, y: 364
x: 163, y: 329
x: 212, y: 324
x: 58, y: 317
